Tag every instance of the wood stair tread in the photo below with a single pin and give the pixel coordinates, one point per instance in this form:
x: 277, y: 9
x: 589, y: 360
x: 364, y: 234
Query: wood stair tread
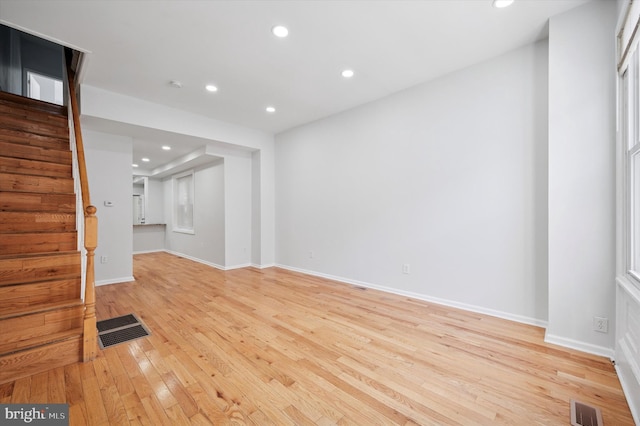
x: 43, y: 255
x: 42, y: 308
x: 37, y: 127
x: 36, y: 328
x: 38, y: 242
x: 33, y: 201
x: 14, y: 182
x: 42, y: 358
x: 24, y: 112
x: 33, y: 295
x: 36, y: 221
x: 51, y: 338
x: 25, y: 268
x: 38, y: 153
x: 24, y: 166
x: 43, y: 232
x: 34, y: 104
x: 22, y: 138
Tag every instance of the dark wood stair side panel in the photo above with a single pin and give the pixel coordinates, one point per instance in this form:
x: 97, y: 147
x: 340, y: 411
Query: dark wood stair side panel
x: 38, y: 184
x: 20, y: 298
x: 34, y: 167
x: 38, y: 328
x: 37, y: 360
x: 26, y: 125
x: 28, y: 113
x: 29, y: 152
x: 25, y: 269
x: 33, y: 103
x: 32, y: 202
x: 38, y: 242
x: 36, y: 222
x: 30, y: 139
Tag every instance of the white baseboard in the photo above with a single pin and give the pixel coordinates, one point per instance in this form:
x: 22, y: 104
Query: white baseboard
x: 580, y: 346
x: 115, y: 281
x: 255, y: 265
x: 244, y: 265
x: 195, y: 259
x: 149, y: 251
x: 426, y: 298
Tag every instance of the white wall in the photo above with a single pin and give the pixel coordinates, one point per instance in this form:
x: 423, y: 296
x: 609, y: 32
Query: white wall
x: 154, y: 192
x: 449, y: 177
x: 582, y: 176
x: 109, y: 160
x: 148, y: 238
x: 207, y: 244
x: 237, y: 207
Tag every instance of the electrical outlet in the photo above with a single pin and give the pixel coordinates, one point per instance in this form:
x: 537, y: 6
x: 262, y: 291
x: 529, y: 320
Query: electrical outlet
x: 104, y: 259
x: 406, y: 268
x: 601, y: 324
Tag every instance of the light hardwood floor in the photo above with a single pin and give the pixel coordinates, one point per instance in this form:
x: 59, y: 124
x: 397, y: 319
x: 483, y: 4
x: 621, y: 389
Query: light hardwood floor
x: 270, y: 346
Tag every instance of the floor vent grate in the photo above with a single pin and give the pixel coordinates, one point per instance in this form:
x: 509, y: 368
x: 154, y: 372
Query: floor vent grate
x: 118, y: 330
x: 585, y: 415
x: 112, y: 323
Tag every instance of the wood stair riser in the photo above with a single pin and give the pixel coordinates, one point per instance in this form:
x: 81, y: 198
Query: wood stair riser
x: 39, y: 359
x: 36, y: 221
x: 32, y: 202
x: 39, y: 128
x: 29, y: 152
x: 26, y: 113
x: 46, y: 242
x: 36, y: 295
x: 38, y: 184
x: 33, y: 104
x: 34, y: 167
x: 37, y: 268
x: 30, y: 139
x: 37, y: 329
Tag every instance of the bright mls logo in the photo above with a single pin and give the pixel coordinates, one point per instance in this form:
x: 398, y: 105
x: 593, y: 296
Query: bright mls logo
x: 37, y: 414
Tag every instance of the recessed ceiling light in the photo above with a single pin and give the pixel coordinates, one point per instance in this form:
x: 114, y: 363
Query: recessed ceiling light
x: 347, y: 73
x: 280, y: 31
x: 134, y: 165
x: 166, y: 147
x: 175, y: 83
x: 211, y: 88
x: 146, y: 160
x: 502, y: 3
x: 270, y: 109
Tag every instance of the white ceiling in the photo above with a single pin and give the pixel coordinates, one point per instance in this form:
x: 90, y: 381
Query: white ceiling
x: 137, y: 47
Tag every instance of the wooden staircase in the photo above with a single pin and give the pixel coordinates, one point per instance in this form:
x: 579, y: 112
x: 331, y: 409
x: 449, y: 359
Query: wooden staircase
x: 41, y: 310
